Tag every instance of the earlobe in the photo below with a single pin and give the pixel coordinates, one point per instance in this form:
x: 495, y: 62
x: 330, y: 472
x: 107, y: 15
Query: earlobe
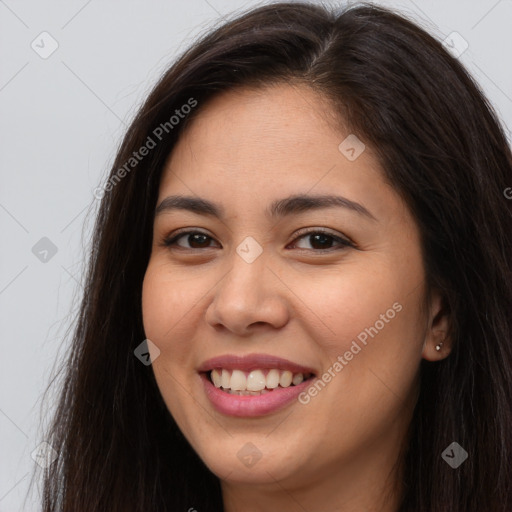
x: 437, y: 345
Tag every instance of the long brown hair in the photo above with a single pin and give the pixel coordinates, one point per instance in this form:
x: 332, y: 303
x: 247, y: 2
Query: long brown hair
x: 442, y: 148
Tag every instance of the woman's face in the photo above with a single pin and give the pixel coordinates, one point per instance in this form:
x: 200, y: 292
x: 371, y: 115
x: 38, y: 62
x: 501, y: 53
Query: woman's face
x: 267, y: 289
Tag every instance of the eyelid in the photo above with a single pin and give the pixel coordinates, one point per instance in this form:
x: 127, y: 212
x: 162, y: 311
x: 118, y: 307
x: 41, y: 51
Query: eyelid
x: 342, y: 240
x: 171, y: 239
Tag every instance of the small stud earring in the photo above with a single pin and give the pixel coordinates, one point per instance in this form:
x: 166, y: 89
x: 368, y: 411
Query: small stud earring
x: 438, y: 346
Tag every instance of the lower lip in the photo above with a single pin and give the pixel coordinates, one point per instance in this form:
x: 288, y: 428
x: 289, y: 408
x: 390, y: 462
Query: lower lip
x: 252, y: 405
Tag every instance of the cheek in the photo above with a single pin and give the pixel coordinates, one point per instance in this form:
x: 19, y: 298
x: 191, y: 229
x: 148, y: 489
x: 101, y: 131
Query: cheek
x: 376, y: 328
x: 167, y: 312
x: 349, y: 301
x: 164, y: 310
x: 167, y: 307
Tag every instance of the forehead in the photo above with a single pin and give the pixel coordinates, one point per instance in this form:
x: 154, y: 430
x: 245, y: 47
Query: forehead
x: 272, y: 130
x: 249, y: 147
x: 249, y: 116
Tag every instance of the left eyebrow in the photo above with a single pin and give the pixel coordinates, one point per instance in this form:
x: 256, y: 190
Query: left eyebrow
x: 301, y: 203
x: 294, y: 204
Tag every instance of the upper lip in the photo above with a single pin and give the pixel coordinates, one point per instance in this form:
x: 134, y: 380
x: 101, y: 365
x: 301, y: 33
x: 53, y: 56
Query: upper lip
x: 252, y: 362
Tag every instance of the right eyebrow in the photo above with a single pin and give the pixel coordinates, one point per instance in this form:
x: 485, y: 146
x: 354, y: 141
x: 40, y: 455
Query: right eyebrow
x: 298, y: 203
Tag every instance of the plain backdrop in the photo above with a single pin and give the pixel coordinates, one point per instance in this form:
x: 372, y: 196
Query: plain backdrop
x: 62, y: 117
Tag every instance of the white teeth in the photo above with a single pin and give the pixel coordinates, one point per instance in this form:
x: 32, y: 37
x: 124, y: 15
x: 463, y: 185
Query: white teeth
x: 297, y: 379
x: 238, y: 381
x: 256, y: 381
x: 216, y: 378
x: 225, y: 379
x: 246, y: 393
x: 286, y: 379
x: 272, y: 379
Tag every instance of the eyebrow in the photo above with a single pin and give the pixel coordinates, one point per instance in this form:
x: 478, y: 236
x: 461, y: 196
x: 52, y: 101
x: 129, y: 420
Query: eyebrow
x: 294, y: 204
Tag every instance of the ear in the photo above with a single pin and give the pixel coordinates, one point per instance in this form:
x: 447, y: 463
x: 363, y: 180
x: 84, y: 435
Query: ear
x: 436, y: 335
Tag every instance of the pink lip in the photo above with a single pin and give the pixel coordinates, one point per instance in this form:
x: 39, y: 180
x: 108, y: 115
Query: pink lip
x: 252, y: 362
x: 251, y: 406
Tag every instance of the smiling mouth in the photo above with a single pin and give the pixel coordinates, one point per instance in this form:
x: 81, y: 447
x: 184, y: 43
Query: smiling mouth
x: 256, y: 382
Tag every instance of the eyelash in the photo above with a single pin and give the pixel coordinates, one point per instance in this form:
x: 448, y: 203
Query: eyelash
x: 343, y: 242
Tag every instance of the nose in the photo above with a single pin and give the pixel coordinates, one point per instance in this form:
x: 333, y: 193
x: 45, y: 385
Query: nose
x: 248, y: 298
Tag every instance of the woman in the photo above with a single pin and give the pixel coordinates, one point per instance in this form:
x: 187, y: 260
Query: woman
x: 305, y: 233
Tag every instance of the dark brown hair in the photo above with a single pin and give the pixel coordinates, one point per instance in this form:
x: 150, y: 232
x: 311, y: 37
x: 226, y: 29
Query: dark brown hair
x: 442, y: 148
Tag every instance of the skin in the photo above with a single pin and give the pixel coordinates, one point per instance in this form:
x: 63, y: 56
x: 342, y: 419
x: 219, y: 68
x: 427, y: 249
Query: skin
x: 337, y: 452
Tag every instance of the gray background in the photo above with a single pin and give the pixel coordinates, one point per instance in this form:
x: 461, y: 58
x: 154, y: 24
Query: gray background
x: 61, y: 120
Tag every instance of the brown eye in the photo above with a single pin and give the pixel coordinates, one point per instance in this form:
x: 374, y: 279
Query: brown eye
x: 194, y: 239
x: 320, y: 240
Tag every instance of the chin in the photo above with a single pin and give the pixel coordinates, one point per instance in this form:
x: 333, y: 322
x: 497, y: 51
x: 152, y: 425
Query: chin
x: 261, y: 473
x: 252, y: 460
